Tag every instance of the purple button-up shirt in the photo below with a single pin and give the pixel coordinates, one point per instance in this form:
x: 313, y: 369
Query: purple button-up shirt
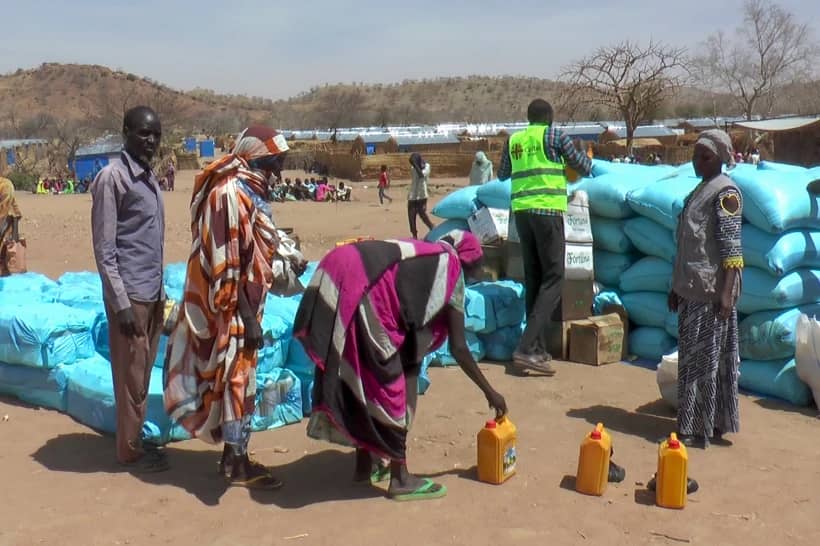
x: 128, y: 228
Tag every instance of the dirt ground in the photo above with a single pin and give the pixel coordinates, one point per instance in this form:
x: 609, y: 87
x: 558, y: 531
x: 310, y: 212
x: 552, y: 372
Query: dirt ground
x: 61, y: 486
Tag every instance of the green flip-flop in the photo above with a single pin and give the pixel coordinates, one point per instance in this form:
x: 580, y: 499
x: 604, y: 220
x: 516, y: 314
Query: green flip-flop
x: 380, y: 474
x: 425, y: 492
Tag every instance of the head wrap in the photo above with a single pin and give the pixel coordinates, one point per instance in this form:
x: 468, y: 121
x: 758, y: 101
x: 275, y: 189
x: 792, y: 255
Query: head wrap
x: 259, y: 141
x: 417, y: 162
x: 466, y: 245
x: 719, y: 143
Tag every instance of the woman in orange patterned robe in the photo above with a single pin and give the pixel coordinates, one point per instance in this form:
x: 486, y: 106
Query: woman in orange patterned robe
x: 210, y: 379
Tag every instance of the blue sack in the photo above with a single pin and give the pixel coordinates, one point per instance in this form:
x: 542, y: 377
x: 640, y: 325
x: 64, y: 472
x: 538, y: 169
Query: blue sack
x: 504, y: 303
x: 446, y: 227
x: 174, y: 280
x: 478, y: 312
x: 651, y: 238
x: 36, y: 386
x: 651, y: 343
x: 608, y: 234
x: 779, y: 254
x: 776, y: 378
x: 495, y: 194
x: 671, y: 324
x: 762, y: 291
x: 278, y: 400
x: 781, y: 167
x: 45, y: 334
x: 607, y: 192
x: 662, y: 202
x: 501, y: 344
x: 424, y: 376
x: 777, y: 201
x: 770, y: 335
x: 609, y: 266
x: 458, y: 204
x: 300, y: 364
x: 649, y: 274
x: 646, y: 308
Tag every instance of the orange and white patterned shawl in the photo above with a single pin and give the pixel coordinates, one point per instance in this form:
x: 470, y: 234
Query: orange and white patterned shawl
x: 210, y: 377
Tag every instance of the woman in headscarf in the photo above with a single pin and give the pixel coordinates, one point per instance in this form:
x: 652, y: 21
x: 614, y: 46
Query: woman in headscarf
x: 371, y: 313
x: 9, y: 218
x: 706, y: 283
x: 417, y: 197
x: 482, y: 170
x: 210, y: 367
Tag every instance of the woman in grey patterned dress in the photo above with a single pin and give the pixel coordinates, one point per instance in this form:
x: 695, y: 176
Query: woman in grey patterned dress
x: 706, y: 283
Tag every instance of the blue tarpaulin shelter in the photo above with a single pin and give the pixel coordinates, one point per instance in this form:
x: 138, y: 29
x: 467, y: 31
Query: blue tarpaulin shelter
x: 89, y: 160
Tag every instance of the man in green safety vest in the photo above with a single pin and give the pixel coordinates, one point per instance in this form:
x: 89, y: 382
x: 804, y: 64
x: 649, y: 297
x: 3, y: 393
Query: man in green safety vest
x: 534, y: 159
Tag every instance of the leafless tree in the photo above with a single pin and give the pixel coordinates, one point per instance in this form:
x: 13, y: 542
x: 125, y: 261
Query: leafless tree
x: 339, y: 106
x: 769, y: 50
x: 627, y: 78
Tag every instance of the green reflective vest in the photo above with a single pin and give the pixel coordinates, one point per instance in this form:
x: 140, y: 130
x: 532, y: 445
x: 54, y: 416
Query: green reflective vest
x: 537, y: 182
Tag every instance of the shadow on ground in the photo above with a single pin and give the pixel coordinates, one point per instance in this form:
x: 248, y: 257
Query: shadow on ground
x: 649, y: 422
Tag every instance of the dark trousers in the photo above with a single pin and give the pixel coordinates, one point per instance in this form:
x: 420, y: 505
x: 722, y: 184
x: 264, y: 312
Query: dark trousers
x: 417, y: 207
x: 132, y: 359
x: 383, y: 195
x: 542, y: 249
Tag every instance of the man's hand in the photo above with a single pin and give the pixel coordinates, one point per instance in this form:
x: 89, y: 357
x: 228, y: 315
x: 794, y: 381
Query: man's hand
x: 127, y: 322
x: 253, y: 334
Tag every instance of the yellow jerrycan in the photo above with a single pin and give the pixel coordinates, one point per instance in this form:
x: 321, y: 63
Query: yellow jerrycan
x: 593, y: 462
x: 671, y: 480
x: 497, y: 455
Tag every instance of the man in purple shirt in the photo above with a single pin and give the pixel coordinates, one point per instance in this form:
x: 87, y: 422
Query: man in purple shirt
x: 128, y: 226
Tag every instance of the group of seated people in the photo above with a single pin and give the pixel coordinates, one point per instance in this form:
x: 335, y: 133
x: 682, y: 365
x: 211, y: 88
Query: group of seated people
x: 59, y: 185
x: 309, y: 190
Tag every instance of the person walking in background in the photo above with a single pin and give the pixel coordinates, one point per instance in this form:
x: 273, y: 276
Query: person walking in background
x: 128, y: 230
x: 384, y: 183
x: 482, y: 170
x: 210, y: 364
x: 417, y: 197
x: 9, y: 221
x: 170, y: 175
x: 534, y: 159
x: 706, y: 284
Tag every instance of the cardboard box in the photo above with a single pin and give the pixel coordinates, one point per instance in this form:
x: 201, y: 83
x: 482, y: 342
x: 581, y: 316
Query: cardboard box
x: 492, y: 266
x: 489, y: 225
x: 513, y: 262
x: 597, y: 340
x: 576, y: 300
x: 577, y: 225
x: 578, y: 262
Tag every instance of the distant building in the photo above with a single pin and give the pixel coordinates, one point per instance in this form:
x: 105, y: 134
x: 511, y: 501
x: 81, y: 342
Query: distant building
x: 89, y: 160
x: 795, y: 140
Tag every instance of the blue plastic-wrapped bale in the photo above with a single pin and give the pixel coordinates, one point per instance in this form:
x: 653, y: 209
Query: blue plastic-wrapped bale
x: 44, y: 387
x: 495, y: 194
x: 604, y: 298
x: 501, y: 344
x: 504, y: 303
x: 779, y: 254
x: 278, y: 400
x: 663, y: 201
x: 478, y: 312
x: 90, y: 400
x: 443, y: 357
x: 651, y: 343
x: 781, y: 167
x: 608, y: 234
x: 31, y: 286
x: 651, y: 238
x: 45, y: 334
x: 770, y: 335
x: 762, y: 291
x: 424, y: 376
x: 446, y: 227
x: 300, y: 364
x: 174, y: 279
x: 650, y: 274
x: 777, y: 378
x: 646, y: 308
x: 610, y: 266
x: 459, y: 204
x: 776, y: 201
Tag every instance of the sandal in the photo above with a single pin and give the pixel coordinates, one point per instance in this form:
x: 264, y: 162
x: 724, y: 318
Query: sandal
x: 542, y: 365
x: 258, y: 477
x: 150, y: 463
x: 428, y: 490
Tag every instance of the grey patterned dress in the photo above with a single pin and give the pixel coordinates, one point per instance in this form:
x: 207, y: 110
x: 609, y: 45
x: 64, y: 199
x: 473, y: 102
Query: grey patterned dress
x: 709, y: 358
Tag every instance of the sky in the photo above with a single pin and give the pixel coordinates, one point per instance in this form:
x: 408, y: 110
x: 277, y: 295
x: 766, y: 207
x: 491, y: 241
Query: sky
x: 278, y: 49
